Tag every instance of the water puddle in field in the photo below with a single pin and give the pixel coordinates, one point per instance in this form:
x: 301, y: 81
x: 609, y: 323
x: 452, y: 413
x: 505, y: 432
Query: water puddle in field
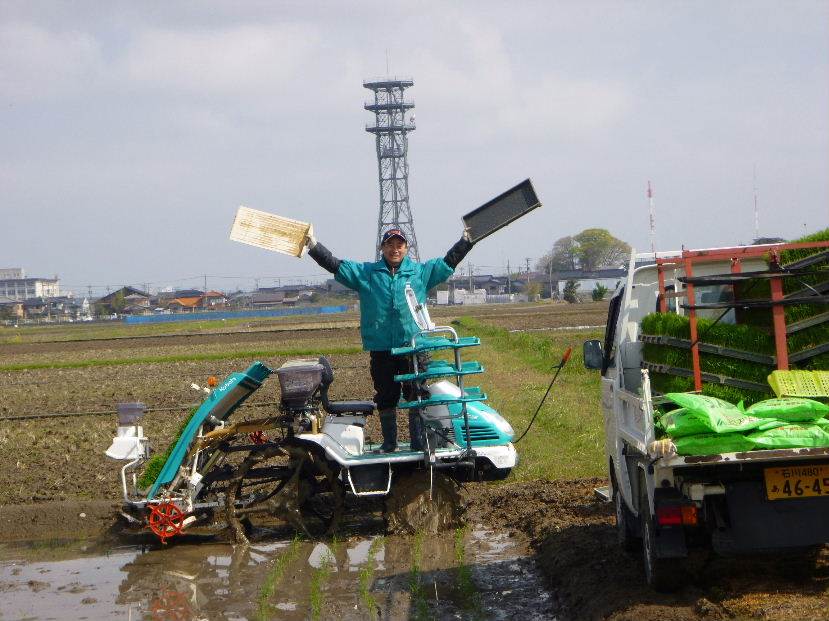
x: 482, y: 575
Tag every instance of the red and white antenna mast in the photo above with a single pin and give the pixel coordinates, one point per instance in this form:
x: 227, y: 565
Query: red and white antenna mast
x: 652, y: 218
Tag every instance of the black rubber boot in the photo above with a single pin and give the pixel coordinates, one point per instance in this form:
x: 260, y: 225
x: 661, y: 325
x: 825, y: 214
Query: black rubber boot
x: 416, y: 430
x: 388, y: 423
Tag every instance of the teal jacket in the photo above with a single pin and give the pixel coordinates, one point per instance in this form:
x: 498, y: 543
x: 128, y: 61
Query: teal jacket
x: 385, y: 320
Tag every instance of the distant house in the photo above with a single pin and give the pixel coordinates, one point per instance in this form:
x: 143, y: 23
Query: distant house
x: 128, y: 300
x: 184, y: 304
x: 213, y: 300
x: 35, y: 307
x: 11, y: 308
x: 239, y: 299
x: 300, y: 292
x: 266, y: 299
x: 493, y: 285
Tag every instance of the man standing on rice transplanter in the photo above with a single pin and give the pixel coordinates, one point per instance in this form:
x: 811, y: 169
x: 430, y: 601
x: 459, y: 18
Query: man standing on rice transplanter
x: 385, y: 320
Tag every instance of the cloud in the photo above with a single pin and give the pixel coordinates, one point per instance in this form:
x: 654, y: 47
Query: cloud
x: 507, y: 99
x: 241, y: 59
x: 36, y: 63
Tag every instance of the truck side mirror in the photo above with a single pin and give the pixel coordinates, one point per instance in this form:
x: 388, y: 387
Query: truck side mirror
x: 593, y: 354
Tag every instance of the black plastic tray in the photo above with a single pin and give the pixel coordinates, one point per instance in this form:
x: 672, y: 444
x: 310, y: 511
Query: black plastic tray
x: 501, y: 210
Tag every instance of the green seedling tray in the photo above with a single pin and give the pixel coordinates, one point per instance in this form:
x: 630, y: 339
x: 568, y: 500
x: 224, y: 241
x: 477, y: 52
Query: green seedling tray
x: 441, y: 368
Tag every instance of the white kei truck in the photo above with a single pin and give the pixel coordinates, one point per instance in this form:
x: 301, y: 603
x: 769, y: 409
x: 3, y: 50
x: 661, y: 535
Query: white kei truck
x: 731, y: 502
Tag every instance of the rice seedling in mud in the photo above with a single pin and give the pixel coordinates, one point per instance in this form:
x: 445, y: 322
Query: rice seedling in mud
x: 274, y: 577
x: 566, y: 439
x: 419, y: 606
x: 470, y: 597
x: 366, y: 577
x: 319, y: 578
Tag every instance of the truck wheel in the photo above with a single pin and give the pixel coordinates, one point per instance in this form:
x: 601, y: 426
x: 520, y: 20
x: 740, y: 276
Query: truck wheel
x: 625, y: 523
x: 661, y: 574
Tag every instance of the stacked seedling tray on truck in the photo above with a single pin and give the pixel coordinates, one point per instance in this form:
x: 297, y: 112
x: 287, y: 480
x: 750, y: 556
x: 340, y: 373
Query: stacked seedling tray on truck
x: 782, y: 323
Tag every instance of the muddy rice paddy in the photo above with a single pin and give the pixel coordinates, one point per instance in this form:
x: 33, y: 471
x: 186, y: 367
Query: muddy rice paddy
x: 529, y: 550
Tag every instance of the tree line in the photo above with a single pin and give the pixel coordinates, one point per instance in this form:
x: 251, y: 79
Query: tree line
x: 589, y: 250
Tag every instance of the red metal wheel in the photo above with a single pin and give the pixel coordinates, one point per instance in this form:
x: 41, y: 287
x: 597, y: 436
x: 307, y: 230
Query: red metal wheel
x: 166, y: 520
x: 258, y: 437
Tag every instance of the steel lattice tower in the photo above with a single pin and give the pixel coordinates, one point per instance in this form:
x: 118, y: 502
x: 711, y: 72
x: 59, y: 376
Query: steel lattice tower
x: 391, y: 129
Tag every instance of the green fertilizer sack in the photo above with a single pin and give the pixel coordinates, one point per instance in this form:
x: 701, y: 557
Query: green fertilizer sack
x: 793, y: 409
x: 701, y: 414
x: 791, y: 436
x: 713, y: 443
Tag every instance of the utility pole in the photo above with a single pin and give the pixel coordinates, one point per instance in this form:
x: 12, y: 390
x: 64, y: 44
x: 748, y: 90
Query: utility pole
x: 471, y: 290
x: 256, y: 283
x: 509, y: 280
x: 528, y: 270
x: 205, y: 283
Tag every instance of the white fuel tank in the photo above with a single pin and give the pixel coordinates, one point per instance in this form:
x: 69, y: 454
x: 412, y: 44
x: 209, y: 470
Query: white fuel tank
x: 347, y: 431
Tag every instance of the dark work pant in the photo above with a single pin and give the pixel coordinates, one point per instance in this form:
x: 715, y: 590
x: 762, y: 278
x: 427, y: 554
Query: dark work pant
x: 384, y: 367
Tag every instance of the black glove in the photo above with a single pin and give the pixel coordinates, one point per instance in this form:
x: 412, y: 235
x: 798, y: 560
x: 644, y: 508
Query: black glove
x: 324, y: 258
x: 458, y: 251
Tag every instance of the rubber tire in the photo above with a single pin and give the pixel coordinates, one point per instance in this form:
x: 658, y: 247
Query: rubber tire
x: 627, y: 532
x: 662, y: 574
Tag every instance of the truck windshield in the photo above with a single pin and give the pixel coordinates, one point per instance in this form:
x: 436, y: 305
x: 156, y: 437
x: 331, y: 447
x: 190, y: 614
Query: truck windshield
x: 610, y: 328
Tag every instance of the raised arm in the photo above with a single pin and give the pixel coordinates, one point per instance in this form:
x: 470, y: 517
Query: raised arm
x: 347, y: 273
x: 323, y: 256
x: 458, y: 251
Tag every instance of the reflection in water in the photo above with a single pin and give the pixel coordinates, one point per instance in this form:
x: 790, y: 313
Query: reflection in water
x: 219, y: 581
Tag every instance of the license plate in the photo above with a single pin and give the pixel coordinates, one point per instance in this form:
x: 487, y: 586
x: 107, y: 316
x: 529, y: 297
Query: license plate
x: 796, y: 482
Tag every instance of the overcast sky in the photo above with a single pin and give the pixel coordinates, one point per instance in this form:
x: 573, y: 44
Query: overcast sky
x: 131, y: 131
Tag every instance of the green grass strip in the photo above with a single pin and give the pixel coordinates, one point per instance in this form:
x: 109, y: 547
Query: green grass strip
x: 567, y: 438
x: 366, y: 577
x: 274, y: 577
x: 250, y: 354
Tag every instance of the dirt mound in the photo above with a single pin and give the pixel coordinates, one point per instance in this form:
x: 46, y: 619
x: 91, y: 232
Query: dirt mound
x: 410, y: 507
x: 573, y: 534
x: 57, y: 520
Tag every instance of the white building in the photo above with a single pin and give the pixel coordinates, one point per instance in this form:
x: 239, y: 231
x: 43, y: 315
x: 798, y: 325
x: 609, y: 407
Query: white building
x: 25, y: 288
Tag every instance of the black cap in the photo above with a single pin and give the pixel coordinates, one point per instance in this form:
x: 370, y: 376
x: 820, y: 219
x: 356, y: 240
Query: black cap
x: 393, y: 233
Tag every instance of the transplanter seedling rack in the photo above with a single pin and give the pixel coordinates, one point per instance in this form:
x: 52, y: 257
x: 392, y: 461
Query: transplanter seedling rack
x: 431, y: 340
